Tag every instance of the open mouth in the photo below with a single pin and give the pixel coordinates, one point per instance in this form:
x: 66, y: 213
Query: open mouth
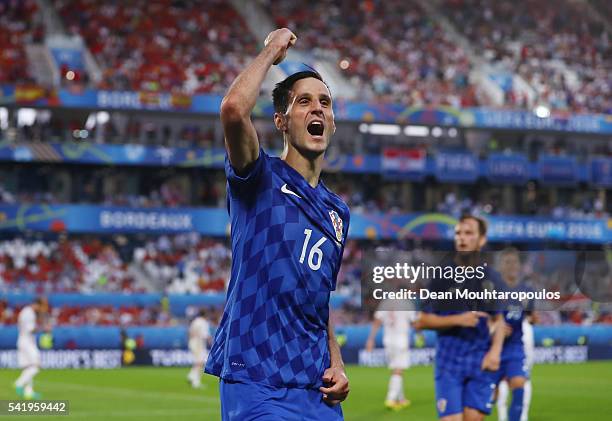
x: 315, y: 128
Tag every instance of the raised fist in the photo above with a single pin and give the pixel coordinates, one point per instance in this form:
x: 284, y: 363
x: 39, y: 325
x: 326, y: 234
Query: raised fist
x: 281, y: 40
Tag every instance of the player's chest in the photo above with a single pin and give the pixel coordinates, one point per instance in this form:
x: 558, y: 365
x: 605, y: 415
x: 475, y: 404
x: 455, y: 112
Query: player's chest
x: 308, y: 238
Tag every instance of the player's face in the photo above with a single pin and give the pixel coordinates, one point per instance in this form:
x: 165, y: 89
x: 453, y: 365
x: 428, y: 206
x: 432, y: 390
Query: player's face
x: 42, y: 307
x: 510, y: 267
x: 467, y: 236
x: 310, y: 119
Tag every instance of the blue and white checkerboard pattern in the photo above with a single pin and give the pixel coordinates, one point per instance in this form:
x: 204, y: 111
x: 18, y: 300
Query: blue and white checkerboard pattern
x: 274, y: 327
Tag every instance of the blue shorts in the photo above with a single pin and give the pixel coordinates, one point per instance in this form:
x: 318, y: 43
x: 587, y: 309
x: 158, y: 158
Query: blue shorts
x: 256, y: 401
x: 455, y: 392
x: 514, y: 366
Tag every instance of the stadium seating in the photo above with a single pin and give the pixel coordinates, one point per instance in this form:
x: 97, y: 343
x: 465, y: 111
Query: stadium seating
x: 183, y: 263
x: 393, y: 51
x: 561, y: 51
x: 18, y: 27
x: 188, y: 47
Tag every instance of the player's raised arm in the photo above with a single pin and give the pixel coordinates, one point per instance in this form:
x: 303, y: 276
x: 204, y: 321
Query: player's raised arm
x: 240, y: 135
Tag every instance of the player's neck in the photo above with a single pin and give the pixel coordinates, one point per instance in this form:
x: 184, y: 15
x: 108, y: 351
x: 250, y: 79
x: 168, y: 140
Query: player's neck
x: 310, y: 169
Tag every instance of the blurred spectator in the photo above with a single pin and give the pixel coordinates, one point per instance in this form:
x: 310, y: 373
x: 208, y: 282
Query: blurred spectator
x: 391, y: 50
x: 182, y: 263
x: 183, y: 46
x: 18, y: 27
x: 559, y: 49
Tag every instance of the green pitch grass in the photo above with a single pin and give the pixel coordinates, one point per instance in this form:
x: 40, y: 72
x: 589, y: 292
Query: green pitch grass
x: 561, y: 393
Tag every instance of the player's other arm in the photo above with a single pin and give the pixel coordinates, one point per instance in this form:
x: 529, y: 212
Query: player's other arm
x: 492, y: 358
x: 240, y: 136
x: 337, y: 384
x: 374, y: 328
x: 437, y: 321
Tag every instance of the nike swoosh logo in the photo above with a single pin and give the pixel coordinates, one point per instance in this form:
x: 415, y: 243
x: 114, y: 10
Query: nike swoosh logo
x: 284, y: 189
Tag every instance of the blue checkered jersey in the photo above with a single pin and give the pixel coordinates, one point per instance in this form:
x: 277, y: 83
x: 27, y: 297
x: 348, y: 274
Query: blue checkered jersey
x: 514, y: 313
x: 287, y: 244
x: 461, y: 350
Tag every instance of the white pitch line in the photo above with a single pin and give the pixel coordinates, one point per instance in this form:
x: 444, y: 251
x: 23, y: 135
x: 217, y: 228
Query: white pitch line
x: 131, y: 392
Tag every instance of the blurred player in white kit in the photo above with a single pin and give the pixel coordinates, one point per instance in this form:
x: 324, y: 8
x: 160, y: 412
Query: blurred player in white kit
x: 199, y: 339
x: 28, y: 356
x: 396, y: 333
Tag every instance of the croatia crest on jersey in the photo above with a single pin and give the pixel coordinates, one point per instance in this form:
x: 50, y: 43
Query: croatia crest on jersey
x: 337, y: 223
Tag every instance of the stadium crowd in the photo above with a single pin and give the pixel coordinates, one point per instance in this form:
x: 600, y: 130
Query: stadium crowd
x: 391, y: 50
x: 364, y: 193
x: 179, y: 264
x: 191, y: 264
x: 162, y: 133
x: 563, y: 52
x: 162, y: 45
x: 20, y: 26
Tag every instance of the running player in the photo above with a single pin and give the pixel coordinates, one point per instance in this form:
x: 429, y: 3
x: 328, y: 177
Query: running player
x: 28, y: 356
x: 396, y: 334
x: 199, y: 338
x: 275, y: 350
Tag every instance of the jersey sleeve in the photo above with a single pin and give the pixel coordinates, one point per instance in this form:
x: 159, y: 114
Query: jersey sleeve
x: 241, y: 183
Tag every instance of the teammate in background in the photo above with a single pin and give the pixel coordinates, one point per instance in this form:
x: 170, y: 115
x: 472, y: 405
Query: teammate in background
x: 275, y: 350
x: 515, y: 364
x: 467, y: 355
x: 199, y: 340
x: 396, y: 334
x: 503, y: 388
x: 28, y: 356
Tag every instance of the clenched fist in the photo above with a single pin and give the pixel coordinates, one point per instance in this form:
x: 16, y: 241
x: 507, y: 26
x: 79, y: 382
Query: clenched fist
x: 280, y: 40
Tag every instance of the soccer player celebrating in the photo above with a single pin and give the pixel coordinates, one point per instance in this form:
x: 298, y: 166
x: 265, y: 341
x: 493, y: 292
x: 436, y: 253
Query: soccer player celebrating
x: 396, y: 332
x: 199, y: 336
x: 275, y: 351
x: 514, y: 368
x: 467, y: 357
x: 28, y: 356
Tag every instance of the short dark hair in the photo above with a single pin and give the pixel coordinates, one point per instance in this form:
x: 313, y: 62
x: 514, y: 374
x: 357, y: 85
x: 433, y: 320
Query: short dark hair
x: 482, y: 225
x: 280, y: 94
x: 509, y: 251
